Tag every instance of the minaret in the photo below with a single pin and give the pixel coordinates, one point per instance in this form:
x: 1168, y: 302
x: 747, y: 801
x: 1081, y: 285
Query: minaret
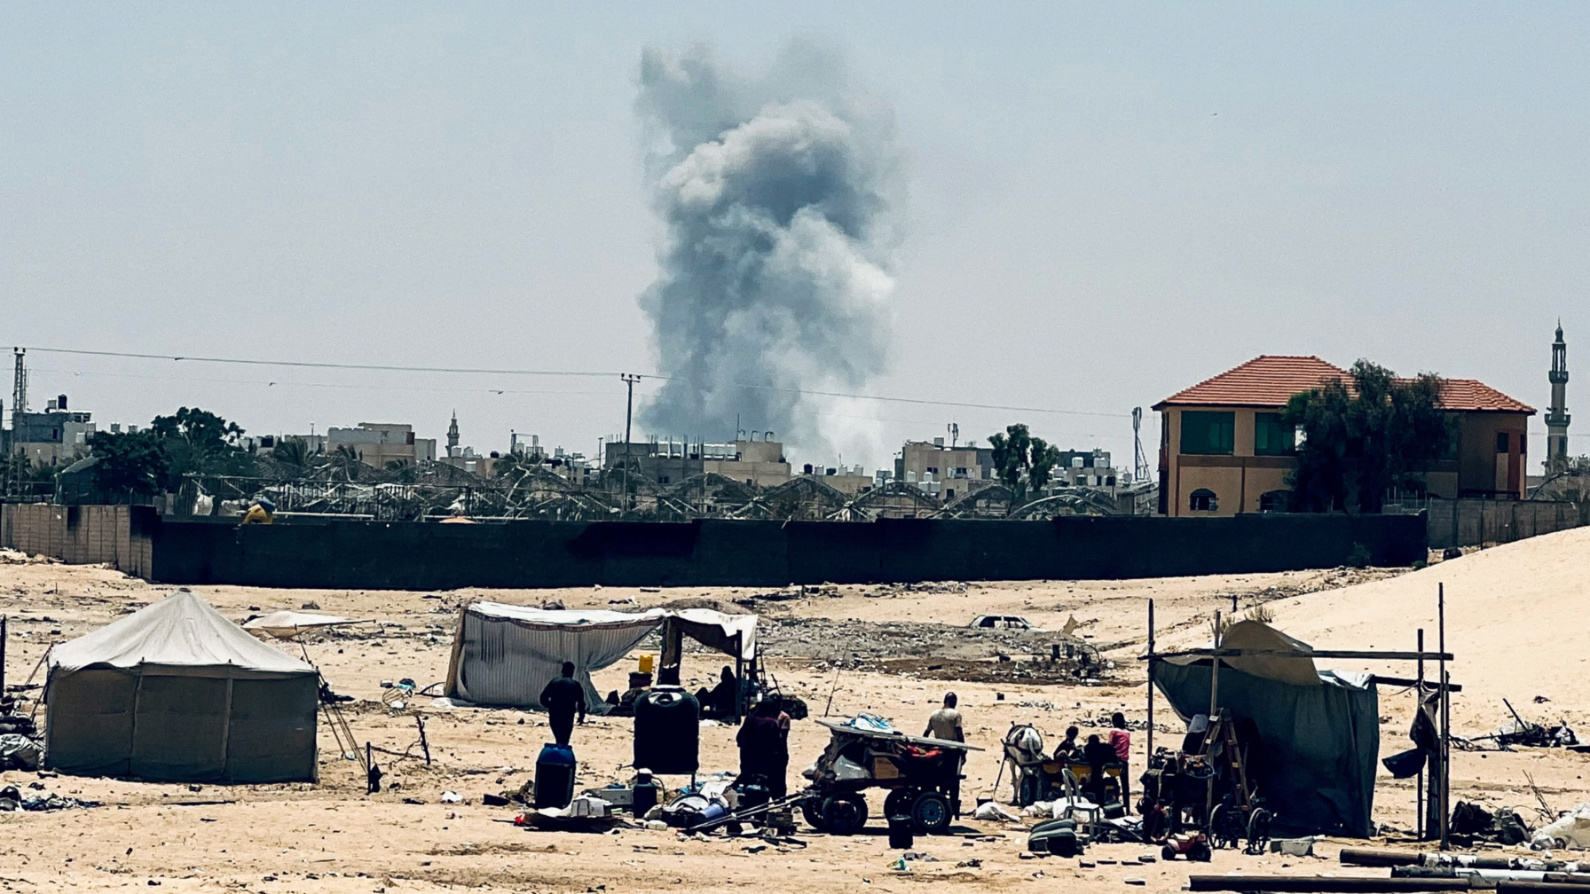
x: 1557, y: 417
x: 452, y: 436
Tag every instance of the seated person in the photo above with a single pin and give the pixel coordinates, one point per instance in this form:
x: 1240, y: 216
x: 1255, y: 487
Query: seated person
x: 1069, y: 748
x: 1097, y: 755
x: 722, y: 699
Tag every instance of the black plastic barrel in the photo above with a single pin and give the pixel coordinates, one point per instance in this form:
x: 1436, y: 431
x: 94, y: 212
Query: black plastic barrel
x: 554, y: 776
x: 902, y: 833
x: 667, y: 731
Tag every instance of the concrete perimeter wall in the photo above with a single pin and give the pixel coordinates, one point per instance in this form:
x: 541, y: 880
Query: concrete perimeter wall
x: 117, y: 536
x: 530, y: 554
x: 1483, y: 522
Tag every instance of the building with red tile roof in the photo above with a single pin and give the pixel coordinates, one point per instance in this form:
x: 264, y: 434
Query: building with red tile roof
x: 1223, y: 449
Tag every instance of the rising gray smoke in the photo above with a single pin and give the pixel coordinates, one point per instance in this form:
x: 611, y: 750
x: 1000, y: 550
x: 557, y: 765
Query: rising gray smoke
x: 777, y: 196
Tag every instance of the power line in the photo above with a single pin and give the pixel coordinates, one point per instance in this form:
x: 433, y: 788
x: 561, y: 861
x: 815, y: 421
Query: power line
x: 586, y: 374
x: 323, y: 365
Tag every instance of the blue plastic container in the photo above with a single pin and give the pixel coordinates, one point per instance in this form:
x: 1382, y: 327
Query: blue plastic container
x: 555, y: 776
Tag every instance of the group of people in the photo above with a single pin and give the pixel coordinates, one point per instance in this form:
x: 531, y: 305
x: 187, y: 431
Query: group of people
x: 763, y: 737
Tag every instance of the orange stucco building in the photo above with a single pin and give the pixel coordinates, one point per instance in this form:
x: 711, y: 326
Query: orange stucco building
x: 1223, y: 450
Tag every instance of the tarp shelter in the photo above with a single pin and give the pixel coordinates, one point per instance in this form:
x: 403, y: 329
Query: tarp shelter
x: 175, y: 692
x: 287, y: 625
x: 1319, y: 731
x: 504, y: 655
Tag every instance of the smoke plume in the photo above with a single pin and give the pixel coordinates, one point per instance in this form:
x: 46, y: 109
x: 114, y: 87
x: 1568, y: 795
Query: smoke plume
x: 777, y: 194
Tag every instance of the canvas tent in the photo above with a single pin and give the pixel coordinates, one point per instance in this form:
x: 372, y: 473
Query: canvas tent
x: 176, y: 692
x: 1319, y: 730
x: 504, y: 655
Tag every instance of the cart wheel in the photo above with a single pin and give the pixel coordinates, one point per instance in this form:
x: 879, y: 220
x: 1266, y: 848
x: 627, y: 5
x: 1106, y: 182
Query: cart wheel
x: 1200, y: 853
x: 930, y: 813
x: 1168, y: 853
x: 812, y: 812
x: 1258, y: 831
x: 844, y: 814
x: 898, y: 803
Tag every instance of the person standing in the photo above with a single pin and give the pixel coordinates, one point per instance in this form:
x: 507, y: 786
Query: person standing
x: 563, y: 698
x: 945, y: 723
x: 1121, y: 741
x: 762, y: 749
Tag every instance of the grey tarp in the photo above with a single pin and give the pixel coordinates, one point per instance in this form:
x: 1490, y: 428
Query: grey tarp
x: 176, y: 692
x: 504, y: 655
x: 1319, y: 742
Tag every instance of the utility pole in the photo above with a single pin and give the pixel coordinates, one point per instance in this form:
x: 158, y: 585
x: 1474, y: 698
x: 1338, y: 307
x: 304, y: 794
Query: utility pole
x: 1140, y: 472
x: 629, y: 411
x: 19, y: 404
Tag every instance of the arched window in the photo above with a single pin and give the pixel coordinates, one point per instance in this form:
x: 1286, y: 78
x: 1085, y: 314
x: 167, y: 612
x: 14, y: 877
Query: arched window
x: 1275, y: 501
x: 1202, y: 500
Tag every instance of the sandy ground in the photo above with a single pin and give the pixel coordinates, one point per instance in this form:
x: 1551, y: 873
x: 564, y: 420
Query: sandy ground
x: 1511, y: 616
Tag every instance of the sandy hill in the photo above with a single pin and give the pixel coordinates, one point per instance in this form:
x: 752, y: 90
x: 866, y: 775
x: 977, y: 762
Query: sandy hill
x: 1516, y: 622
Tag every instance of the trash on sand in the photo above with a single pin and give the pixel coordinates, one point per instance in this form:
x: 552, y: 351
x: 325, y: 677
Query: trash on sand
x: 1572, y: 830
x: 12, y: 799
x: 452, y: 798
x: 992, y: 811
x: 18, y: 752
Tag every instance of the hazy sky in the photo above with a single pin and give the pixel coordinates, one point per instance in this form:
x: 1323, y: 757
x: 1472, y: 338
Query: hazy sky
x: 1106, y: 203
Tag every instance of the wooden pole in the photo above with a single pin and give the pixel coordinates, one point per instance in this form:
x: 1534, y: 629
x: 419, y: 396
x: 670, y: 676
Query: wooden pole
x: 1214, y: 706
x: 4, y: 620
x: 1446, y: 719
x: 1418, y: 803
x: 1214, y: 674
x: 1150, y: 742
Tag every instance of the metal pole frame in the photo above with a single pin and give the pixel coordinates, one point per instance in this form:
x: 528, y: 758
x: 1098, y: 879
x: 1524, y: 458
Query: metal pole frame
x: 1150, y: 742
x: 1446, y: 721
x: 1418, y: 797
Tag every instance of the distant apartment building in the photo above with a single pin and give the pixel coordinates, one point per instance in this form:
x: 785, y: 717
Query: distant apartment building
x: 1084, y: 468
x: 56, y: 437
x: 1224, y: 450
x: 378, y: 444
x: 851, y: 480
x: 955, y: 470
x: 759, y: 463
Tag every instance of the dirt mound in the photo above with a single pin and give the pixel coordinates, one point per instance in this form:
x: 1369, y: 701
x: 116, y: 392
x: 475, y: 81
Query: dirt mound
x: 1513, y: 620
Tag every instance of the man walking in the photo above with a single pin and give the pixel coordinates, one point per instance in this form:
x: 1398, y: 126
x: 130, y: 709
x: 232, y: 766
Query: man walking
x: 562, y: 698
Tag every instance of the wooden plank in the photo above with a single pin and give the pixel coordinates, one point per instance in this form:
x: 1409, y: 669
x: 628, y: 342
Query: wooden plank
x: 1369, y: 654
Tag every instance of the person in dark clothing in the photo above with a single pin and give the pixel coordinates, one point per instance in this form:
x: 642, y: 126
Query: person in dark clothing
x: 562, y: 698
x: 722, y: 699
x: 1097, y: 754
x: 763, y: 751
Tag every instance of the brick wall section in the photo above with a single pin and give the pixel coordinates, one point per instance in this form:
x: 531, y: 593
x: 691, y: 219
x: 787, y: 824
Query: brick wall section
x: 117, y: 536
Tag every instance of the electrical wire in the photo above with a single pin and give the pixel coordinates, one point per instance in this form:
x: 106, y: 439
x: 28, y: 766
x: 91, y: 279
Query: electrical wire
x: 571, y: 373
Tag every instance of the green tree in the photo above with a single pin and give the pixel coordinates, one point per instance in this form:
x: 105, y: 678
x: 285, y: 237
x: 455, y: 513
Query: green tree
x: 200, y: 442
x: 1024, y: 463
x: 134, y: 462
x: 1363, y: 437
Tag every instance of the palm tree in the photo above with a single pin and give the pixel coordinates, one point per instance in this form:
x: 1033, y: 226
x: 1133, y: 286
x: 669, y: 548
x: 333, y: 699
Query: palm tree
x: 293, y: 451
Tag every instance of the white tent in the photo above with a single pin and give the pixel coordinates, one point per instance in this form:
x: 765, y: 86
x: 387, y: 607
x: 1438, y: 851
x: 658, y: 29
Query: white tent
x: 176, y: 692
x: 504, y: 655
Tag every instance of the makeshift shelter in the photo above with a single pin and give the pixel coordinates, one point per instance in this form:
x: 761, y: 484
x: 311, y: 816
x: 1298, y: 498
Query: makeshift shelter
x: 287, y: 625
x: 175, y: 692
x: 504, y: 655
x: 1319, y: 731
